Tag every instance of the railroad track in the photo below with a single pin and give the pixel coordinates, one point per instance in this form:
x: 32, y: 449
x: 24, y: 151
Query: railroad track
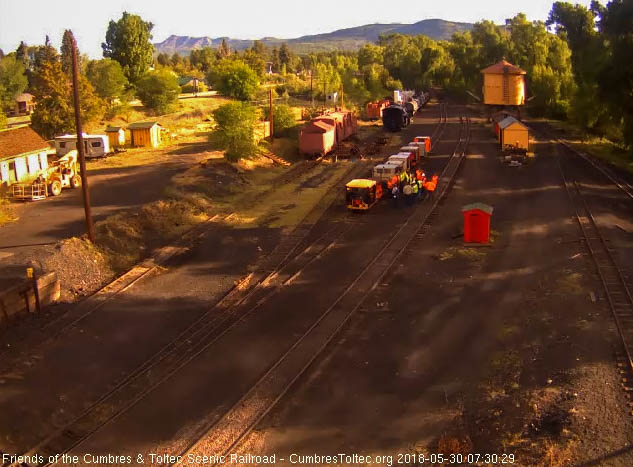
x: 279, y: 269
x: 226, y: 434
x: 617, y: 291
x: 623, y: 185
x: 439, y: 129
x: 197, y: 338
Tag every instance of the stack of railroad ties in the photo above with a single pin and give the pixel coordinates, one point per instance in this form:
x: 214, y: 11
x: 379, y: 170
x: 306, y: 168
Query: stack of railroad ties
x: 324, y: 133
x: 401, y: 176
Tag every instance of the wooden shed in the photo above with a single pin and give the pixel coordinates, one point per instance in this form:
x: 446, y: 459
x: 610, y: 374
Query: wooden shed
x: 504, y: 84
x: 116, y: 136
x: 514, y: 133
x: 24, y: 105
x: 145, y: 134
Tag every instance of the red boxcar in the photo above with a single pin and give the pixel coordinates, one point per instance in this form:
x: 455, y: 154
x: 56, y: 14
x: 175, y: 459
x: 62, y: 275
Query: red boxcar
x: 317, y: 138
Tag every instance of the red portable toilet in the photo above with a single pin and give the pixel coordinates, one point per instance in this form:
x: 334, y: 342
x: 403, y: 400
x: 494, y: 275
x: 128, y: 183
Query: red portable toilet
x: 477, y: 222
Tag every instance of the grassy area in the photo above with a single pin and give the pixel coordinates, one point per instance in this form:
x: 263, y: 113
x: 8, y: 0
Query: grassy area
x: 601, y: 148
x: 7, y: 212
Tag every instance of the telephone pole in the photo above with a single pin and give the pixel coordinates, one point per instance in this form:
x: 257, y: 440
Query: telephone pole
x: 270, y: 114
x: 80, y: 146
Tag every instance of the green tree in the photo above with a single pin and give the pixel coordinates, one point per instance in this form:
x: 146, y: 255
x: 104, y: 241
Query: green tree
x: 235, y: 126
x: 255, y: 61
x: 286, y: 57
x: 164, y: 60
x: 492, y: 41
x: 616, y: 25
x: 234, y: 78
x: 371, y: 54
x: 283, y: 119
x: 107, y: 78
x: 12, y: 81
x: 224, y: 50
x: 54, y: 113
x: 22, y: 54
x: 3, y: 120
x: 158, y: 90
x: 67, y: 52
x: 203, y: 59
x: 576, y: 25
x: 128, y: 41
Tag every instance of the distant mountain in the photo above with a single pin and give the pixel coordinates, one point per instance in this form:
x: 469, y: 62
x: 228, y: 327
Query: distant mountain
x: 342, y: 39
x: 183, y: 44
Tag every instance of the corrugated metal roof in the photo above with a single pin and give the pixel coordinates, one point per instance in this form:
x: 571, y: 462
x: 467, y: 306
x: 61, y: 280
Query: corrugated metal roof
x: 503, y: 67
x: 508, y: 121
x: 112, y: 129
x: 142, y: 125
x: 20, y: 140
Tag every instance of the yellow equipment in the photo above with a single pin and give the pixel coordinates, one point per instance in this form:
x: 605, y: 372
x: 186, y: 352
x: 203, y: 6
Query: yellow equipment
x: 361, y: 194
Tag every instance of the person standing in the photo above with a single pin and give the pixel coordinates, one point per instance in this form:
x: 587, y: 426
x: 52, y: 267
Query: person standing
x: 407, y: 194
x: 395, y: 193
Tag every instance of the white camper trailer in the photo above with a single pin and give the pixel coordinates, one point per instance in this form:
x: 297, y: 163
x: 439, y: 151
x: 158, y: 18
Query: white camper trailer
x: 94, y: 145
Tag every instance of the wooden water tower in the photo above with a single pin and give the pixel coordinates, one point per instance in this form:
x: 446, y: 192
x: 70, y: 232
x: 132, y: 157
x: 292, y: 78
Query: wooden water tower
x: 504, y: 85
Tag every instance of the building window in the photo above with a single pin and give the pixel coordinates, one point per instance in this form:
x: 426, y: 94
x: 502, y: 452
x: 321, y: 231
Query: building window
x: 62, y: 145
x: 96, y: 144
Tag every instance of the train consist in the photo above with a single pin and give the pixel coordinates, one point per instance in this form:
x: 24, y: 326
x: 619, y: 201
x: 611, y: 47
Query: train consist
x: 324, y: 133
x: 396, y: 114
x: 362, y: 194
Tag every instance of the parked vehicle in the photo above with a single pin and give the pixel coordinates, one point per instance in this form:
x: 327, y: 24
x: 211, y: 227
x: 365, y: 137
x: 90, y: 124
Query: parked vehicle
x: 384, y: 172
x: 362, y: 194
x: 62, y: 173
x: 94, y: 145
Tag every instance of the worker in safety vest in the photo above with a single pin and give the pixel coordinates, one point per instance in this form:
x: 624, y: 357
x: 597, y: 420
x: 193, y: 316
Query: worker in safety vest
x: 415, y: 188
x: 404, y: 177
x: 430, y: 186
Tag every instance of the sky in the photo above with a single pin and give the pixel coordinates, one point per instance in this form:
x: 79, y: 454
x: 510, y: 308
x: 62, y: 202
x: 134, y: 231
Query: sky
x: 31, y: 20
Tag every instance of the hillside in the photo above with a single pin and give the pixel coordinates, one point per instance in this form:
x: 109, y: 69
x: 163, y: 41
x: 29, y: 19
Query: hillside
x: 342, y: 39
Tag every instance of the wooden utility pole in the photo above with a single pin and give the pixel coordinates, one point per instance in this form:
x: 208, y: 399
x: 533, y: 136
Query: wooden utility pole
x: 270, y: 114
x: 80, y: 146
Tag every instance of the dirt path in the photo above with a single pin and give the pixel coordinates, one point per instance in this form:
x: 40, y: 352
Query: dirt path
x: 120, y: 336
x: 490, y: 351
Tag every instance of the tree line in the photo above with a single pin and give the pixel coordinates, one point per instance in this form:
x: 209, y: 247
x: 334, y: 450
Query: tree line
x: 577, y: 64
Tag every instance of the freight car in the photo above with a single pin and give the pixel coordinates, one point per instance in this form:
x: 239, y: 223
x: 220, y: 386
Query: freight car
x: 395, y: 118
x: 324, y: 133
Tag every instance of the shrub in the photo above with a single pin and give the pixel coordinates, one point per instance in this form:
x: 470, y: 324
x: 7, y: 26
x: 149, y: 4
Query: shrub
x: 235, y: 129
x: 158, y: 90
x: 234, y: 78
x: 284, y: 119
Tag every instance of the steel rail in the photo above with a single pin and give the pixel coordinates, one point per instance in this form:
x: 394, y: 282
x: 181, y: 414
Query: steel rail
x: 615, y: 287
x: 241, y: 410
x: 177, y: 353
x: 72, y: 434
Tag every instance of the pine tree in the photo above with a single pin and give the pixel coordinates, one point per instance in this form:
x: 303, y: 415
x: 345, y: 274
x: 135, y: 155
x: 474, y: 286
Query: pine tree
x: 67, y: 51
